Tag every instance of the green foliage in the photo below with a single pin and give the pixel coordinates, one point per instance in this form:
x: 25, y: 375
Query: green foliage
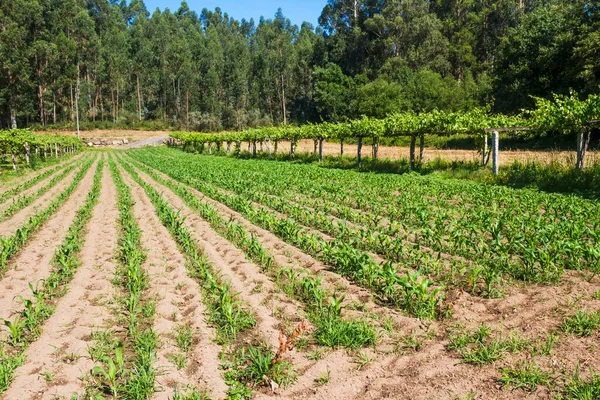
x: 583, y: 323
x: 566, y: 114
x: 525, y: 376
x: 208, y: 72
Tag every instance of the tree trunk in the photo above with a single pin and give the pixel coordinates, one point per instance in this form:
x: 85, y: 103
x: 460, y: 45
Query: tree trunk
x: 187, y: 109
x: 421, y: 148
x: 77, y: 103
x: 413, y: 142
x: 117, y: 104
x: 41, y: 104
x: 139, y: 97
x: 283, y: 100
x: 254, y: 148
x: 112, y: 99
x: 54, y: 108
x: 315, y: 142
x: 268, y: 142
x: 275, y: 147
x: 13, y: 118
x: 358, y: 152
x: 72, y: 103
x: 341, y: 147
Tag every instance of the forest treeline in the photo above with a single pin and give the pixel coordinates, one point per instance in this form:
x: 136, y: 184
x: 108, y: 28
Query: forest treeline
x: 119, y: 63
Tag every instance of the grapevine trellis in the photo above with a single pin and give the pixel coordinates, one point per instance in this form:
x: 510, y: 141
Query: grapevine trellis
x: 22, y: 143
x: 565, y: 114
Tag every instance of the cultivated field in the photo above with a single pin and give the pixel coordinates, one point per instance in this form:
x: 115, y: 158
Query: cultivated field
x: 154, y: 273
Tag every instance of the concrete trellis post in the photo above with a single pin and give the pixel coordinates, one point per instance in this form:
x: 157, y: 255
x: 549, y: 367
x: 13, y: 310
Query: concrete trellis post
x: 495, y: 152
x: 27, y: 153
x: 293, y: 148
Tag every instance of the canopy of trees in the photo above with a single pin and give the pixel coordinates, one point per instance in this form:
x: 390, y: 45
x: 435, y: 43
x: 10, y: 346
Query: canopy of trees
x: 123, y: 64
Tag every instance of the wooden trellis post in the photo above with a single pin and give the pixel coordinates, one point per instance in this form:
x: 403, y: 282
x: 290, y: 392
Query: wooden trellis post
x: 320, y: 149
x: 485, y: 150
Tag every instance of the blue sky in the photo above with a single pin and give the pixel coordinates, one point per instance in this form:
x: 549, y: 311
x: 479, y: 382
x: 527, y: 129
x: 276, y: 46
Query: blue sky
x: 296, y: 10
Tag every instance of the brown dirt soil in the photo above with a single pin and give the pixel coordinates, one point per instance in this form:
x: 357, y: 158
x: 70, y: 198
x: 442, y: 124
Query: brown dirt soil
x: 33, y: 262
x: 62, y: 347
x: 178, y: 302
x: 10, y: 225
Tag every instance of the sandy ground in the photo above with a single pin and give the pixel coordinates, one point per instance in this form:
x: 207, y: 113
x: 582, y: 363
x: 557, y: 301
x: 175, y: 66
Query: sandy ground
x: 178, y: 303
x: 33, y: 263
x: 62, y: 348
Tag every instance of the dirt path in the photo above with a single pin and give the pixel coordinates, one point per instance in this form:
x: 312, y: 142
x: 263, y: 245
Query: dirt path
x: 178, y: 302
x: 62, y: 347
x: 154, y: 141
x: 33, y: 261
x: 10, y: 225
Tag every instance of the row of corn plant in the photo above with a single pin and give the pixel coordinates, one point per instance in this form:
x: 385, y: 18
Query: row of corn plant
x: 10, y: 245
x: 23, y: 201
x: 31, y: 182
x: 412, y: 292
x: 245, y: 364
x: 332, y: 329
x: 475, y: 278
x: 505, y: 226
x: 26, y: 327
x: 126, y: 368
